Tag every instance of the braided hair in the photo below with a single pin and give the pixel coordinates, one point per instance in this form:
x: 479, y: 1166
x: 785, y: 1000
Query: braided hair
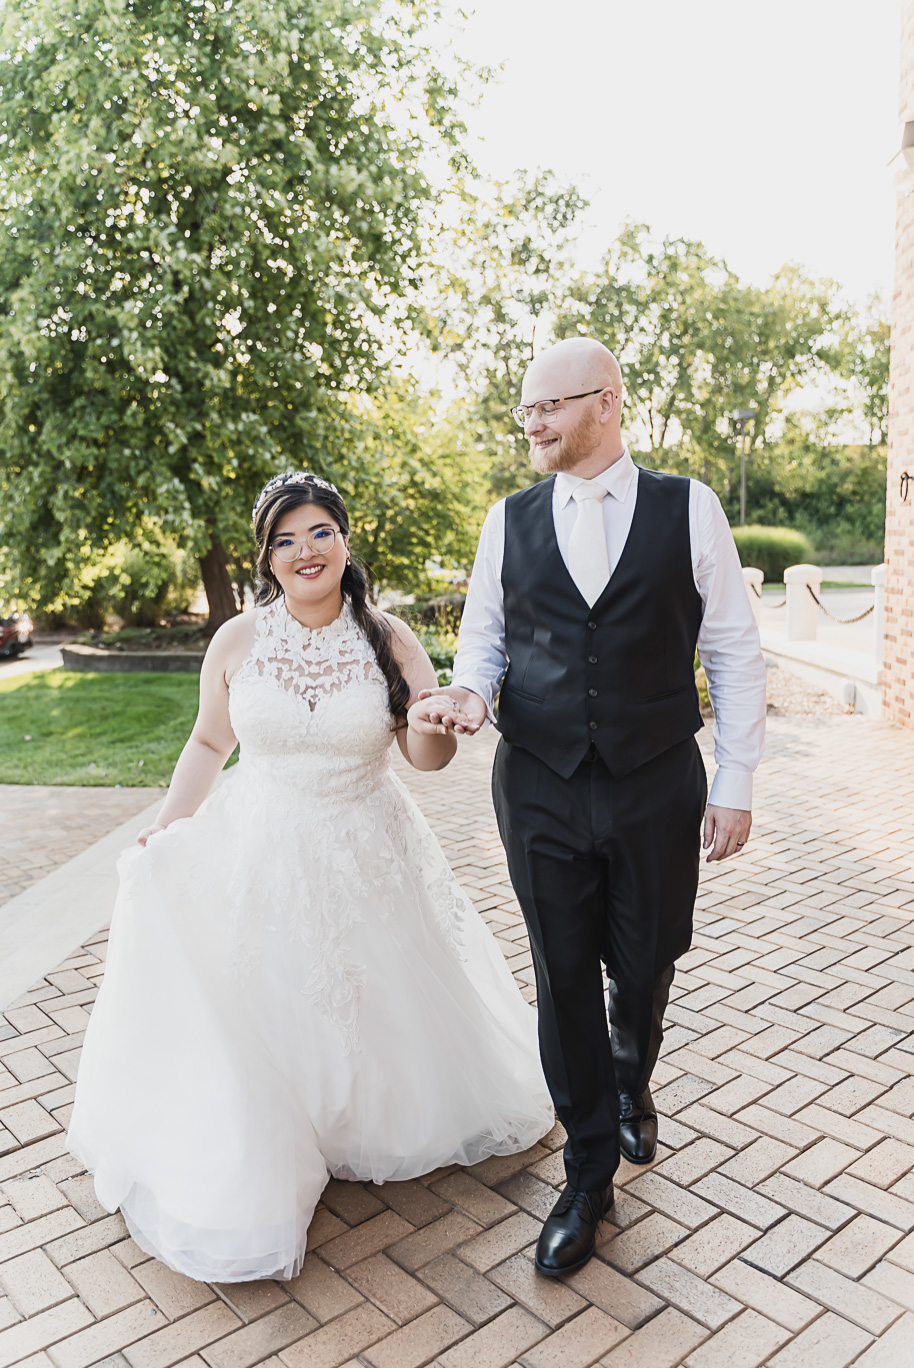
x: 278, y: 498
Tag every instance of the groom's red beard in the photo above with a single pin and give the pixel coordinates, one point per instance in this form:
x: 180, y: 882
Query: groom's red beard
x: 571, y: 448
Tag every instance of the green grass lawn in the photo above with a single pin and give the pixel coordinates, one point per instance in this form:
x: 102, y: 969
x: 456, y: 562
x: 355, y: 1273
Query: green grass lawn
x: 826, y: 584
x: 66, y: 727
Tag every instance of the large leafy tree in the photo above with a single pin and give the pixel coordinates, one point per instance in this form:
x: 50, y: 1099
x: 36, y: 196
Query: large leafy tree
x: 653, y: 305
x: 862, y: 358
x: 696, y: 345
x: 506, y: 267
x: 415, y: 483
x: 212, y: 221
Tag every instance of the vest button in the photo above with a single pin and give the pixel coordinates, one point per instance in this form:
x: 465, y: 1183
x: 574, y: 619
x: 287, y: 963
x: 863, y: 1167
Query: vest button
x: 593, y: 726
x: 592, y: 626
x: 592, y: 692
x: 591, y: 660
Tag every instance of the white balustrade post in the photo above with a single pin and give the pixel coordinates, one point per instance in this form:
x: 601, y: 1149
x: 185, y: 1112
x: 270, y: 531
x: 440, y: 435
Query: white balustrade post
x: 802, y: 610
x: 753, y: 580
x: 877, y: 575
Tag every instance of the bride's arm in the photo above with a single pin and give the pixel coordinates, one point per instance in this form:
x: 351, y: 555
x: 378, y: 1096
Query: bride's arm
x: 425, y: 744
x: 212, y: 740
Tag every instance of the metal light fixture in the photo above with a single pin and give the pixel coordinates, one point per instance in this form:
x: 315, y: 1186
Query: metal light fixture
x: 743, y: 418
x: 902, y: 164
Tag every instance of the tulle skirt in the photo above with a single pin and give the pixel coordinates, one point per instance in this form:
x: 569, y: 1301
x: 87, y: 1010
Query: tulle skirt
x: 327, y: 1003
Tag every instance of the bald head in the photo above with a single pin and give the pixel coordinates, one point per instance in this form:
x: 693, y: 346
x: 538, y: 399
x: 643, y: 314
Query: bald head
x: 570, y: 367
x: 582, y: 435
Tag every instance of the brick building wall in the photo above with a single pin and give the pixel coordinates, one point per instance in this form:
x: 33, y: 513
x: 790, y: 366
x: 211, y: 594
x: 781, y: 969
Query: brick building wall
x: 898, y: 695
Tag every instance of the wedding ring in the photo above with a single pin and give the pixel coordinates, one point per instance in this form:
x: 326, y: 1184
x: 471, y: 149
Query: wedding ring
x: 741, y: 843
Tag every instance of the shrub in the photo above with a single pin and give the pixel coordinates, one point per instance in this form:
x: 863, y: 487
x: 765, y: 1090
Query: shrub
x: 835, y: 494
x: 137, y: 582
x: 844, y: 548
x: 441, y: 646
x: 152, y: 580
x: 438, y: 639
x: 443, y: 612
x: 772, y: 549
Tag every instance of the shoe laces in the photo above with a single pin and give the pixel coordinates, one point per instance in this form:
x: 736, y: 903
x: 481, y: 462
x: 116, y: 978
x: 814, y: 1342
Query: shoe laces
x: 584, y: 1203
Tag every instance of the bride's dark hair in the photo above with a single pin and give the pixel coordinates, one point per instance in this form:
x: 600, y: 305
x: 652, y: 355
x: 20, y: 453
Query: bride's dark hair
x: 274, y: 504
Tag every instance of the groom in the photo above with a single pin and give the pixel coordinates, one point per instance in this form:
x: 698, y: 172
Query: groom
x: 596, y: 586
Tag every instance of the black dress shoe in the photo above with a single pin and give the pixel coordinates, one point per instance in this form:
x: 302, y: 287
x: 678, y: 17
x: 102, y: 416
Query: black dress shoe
x: 569, y: 1233
x: 637, y: 1127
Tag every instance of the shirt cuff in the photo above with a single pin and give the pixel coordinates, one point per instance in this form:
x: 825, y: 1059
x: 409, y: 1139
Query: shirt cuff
x: 481, y: 687
x: 731, y: 789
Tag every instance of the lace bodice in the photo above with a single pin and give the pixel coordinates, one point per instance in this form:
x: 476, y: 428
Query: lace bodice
x: 312, y: 701
x: 321, y: 835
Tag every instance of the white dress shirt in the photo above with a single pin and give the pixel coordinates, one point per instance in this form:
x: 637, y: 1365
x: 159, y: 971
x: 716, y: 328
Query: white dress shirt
x: 728, y: 641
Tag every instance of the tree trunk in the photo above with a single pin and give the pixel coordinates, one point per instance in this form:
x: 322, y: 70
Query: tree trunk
x: 217, y: 585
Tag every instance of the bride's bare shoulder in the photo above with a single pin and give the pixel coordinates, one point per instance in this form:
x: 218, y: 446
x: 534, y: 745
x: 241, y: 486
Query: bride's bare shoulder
x: 231, y: 643
x: 397, y: 625
x: 237, y: 630
x: 406, y: 645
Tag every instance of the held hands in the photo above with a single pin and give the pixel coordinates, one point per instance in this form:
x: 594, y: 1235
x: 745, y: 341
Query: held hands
x: 452, y: 709
x: 428, y: 717
x: 726, y: 829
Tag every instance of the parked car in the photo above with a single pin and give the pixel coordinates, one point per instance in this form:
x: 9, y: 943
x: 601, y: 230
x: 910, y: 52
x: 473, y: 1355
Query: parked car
x: 15, y: 633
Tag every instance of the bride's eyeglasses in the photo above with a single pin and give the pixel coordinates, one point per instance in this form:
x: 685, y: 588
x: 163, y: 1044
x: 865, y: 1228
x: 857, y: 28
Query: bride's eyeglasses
x: 318, y: 542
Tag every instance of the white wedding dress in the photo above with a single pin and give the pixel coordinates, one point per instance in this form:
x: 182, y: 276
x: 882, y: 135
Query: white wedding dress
x: 296, y: 985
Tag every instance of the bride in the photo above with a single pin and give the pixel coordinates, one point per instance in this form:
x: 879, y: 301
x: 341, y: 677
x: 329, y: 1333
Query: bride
x: 296, y: 985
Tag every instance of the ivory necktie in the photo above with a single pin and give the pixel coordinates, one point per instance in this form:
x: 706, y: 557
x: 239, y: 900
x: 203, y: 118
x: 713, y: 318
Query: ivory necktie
x: 588, y: 558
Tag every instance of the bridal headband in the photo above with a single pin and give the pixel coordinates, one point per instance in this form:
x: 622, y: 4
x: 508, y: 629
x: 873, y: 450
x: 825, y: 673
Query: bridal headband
x: 290, y: 477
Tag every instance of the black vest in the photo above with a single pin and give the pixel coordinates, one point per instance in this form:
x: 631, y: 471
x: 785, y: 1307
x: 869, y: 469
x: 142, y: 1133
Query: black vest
x: 618, y: 675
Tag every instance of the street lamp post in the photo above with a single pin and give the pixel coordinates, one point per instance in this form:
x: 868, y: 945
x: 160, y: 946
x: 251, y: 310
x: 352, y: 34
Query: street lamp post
x: 743, y: 417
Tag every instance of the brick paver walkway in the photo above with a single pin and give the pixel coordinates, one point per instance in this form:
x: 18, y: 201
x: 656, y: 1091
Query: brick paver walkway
x: 43, y: 827
x: 774, y: 1228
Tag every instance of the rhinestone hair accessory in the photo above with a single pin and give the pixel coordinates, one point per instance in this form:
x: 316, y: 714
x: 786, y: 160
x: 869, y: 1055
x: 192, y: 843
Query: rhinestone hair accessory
x: 290, y: 477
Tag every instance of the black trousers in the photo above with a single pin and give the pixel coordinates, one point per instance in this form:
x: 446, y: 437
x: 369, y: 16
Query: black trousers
x: 605, y: 869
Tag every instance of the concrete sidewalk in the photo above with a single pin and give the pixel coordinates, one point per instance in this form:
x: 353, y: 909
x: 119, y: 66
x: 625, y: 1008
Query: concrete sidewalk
x: 776, y: 1226
x: 44, y: 655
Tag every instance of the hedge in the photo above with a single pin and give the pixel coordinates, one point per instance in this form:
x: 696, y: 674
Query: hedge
x: 772, y: 549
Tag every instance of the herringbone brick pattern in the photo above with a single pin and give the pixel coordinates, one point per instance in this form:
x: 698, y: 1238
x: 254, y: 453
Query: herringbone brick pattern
x: 776, y: 1226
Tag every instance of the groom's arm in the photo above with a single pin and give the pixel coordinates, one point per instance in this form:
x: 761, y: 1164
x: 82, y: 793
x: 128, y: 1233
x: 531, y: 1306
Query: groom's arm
x: 729, y: 650
x: 480, y: 661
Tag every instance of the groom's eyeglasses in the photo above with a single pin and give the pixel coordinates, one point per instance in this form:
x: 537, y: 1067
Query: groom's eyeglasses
x: 548, y: 408
x: 318, y: 543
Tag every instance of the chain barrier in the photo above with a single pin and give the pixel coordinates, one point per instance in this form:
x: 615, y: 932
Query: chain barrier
x: 843, y: 621
x: 758, y: 594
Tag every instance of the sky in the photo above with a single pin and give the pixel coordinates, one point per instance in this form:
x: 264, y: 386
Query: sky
x: 762, y: 130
